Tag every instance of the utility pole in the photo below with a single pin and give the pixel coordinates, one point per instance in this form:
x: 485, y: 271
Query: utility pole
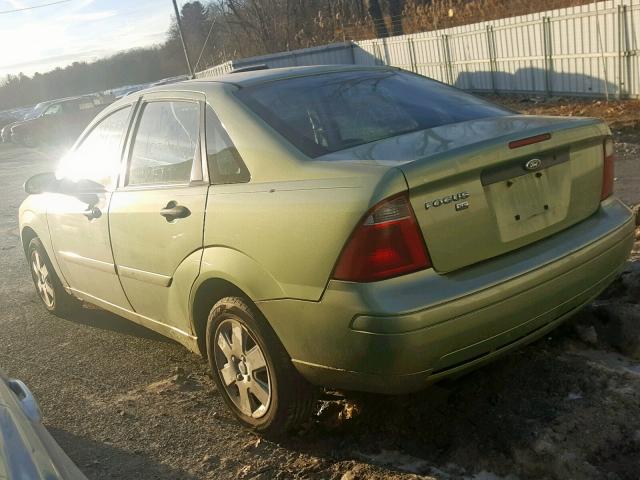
x: 184, y: 45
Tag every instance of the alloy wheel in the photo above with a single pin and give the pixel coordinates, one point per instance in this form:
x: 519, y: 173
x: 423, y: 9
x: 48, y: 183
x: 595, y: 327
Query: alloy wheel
x: 42, y: 279
x: 243, y: 368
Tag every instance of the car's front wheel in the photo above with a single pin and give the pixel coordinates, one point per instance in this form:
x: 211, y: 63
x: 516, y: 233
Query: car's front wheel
x: 253, y: 372
x: 48, y: 285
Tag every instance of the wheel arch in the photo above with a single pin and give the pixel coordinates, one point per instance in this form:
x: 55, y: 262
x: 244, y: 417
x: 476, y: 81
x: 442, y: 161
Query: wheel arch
x: 34, y: 225
x: 27, y: 234
x: 206, y: 296
x: 226, y: 272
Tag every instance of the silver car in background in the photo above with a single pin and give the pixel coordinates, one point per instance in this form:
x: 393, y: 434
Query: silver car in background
x: 27, y: 449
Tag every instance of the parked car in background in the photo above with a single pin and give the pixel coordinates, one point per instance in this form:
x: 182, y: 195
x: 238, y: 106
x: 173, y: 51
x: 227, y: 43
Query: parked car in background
x: 170, y: 80
x: 24, y: 115
x: 355, y: 228
x: 27, y: 449
x: 10, y: 116
x: 128, y: 89
x: 59, y: 121
x: 5, y: 134
x: 7, y: 119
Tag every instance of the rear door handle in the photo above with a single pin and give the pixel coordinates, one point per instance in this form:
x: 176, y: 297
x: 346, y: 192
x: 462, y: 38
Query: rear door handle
x: 92, y: 213
x: 174, y: 211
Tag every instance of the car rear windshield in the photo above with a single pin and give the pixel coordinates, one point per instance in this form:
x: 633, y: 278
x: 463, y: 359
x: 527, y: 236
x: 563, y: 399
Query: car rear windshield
x: 326, y: 113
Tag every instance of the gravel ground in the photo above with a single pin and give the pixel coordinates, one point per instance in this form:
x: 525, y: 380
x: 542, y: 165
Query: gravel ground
x: 127, y: 403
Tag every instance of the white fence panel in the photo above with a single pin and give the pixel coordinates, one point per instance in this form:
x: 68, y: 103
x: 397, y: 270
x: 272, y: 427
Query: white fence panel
x: 584, y: 51
x: 334, y: 54
x: 520, y: 60
x: 216, y: 71
x: 429, y: 57
x: 368, y: 53
x: 631, y: 58
x: 471, y: 67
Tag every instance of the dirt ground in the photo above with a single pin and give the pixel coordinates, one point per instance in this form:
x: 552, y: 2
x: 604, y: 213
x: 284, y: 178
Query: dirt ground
x: 126, y: 403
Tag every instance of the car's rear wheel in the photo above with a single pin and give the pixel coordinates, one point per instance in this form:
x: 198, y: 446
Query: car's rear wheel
x: 253, y: 372
x: 48, y: 285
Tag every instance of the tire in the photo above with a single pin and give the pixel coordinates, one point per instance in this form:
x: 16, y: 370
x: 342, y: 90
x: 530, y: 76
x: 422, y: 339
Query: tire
x: 262, y: 388
x: 48, y: 285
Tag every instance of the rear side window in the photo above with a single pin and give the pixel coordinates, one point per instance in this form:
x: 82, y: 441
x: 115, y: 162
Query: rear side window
x: 165, y: 144
x: 326, y: 113
x: 225, y: 163
x: 98, y: 156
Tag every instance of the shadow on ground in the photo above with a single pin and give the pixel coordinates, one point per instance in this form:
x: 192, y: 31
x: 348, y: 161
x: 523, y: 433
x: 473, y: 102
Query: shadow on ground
x: 95, y: 459
x: 101, y: 319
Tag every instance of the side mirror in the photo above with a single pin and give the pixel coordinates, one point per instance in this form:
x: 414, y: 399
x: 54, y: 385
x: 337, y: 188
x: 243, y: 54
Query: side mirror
x: 85, y: 190
x: 80, y: 187
x: 40, y: 183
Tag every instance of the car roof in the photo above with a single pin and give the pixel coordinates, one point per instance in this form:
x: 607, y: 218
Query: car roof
x: 253, y: 77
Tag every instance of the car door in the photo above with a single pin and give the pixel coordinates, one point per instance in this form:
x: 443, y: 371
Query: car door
x: 157, y: 213
x: 79, y: 224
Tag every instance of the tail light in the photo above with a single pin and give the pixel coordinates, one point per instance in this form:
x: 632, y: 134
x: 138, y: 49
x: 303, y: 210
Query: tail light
x: 608, y: 171
x: 387, y: 243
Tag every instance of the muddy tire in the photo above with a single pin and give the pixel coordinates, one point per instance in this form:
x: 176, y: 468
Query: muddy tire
x: 48, y: 285
x: 253, y: 372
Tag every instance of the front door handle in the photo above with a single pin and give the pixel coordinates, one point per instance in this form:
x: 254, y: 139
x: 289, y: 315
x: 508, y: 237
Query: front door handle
x: 174, y: 211
x: 92, y: 213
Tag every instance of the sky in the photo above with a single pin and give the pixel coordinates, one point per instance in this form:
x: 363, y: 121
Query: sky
x: 42, y: 39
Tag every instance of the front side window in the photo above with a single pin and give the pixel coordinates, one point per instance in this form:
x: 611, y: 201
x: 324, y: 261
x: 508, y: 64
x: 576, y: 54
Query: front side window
x: 165, y: 144
x: 326, y: 113
x: 98, y: 157
x: 225, y: 163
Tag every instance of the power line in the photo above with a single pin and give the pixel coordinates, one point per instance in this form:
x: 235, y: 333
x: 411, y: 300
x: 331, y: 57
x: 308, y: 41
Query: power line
x: 34, y: 7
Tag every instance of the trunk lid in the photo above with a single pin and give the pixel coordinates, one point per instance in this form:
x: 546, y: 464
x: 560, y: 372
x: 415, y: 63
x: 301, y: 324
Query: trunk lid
x: 473, y: 196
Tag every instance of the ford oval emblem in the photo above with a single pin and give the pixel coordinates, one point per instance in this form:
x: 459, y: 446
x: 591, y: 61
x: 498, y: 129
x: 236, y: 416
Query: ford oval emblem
x: 533, y: 164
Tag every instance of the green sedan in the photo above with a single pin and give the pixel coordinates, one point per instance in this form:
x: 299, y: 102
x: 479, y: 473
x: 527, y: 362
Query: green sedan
x: 362, y: 229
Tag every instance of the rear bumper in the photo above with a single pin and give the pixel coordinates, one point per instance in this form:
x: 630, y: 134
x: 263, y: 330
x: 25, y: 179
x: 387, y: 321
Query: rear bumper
x: 399, y: 335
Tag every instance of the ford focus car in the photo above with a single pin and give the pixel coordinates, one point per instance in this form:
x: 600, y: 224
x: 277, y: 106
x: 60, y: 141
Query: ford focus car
x: 356, y: 228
